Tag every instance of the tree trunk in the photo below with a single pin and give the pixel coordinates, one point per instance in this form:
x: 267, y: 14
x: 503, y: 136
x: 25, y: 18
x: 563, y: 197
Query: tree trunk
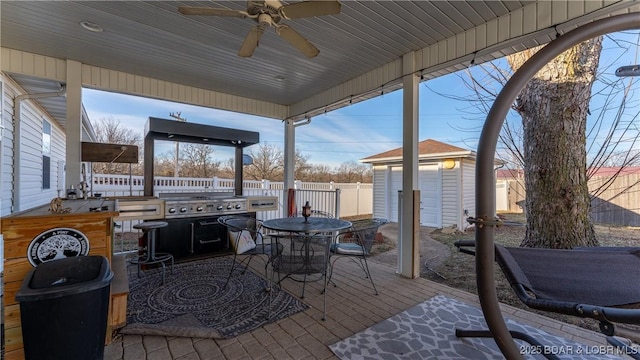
x: 554, y: 107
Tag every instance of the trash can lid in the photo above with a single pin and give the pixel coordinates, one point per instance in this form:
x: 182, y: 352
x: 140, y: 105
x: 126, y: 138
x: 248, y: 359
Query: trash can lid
x: 64, y: 277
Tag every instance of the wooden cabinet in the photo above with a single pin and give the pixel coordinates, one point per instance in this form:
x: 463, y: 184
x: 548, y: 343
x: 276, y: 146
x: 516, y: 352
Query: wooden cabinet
x: 36, y: 234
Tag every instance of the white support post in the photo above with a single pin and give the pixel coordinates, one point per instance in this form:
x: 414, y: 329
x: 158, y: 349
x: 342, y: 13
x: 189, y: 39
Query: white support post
x: 409, y: 253
x: 289, y: 158
x: 73, y: 124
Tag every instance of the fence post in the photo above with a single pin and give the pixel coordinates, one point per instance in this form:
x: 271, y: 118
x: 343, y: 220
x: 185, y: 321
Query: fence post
x: 358, y: 197
x: 337, y: 203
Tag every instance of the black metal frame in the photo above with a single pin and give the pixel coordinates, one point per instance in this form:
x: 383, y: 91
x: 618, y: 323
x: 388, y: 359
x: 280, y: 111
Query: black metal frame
x: 485, y: 183
x: 240, y: 224
x: 358, y: 232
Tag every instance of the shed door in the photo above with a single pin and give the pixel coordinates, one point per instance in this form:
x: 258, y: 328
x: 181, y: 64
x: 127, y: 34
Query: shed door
x: 430, y: 184
x: 396, y: 185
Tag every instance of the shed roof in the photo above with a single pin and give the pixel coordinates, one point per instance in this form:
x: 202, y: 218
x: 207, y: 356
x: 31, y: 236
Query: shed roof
x: 428, y: 148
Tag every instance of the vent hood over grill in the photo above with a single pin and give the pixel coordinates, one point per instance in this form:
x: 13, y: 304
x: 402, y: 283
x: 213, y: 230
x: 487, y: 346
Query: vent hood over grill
x: 171, y: 130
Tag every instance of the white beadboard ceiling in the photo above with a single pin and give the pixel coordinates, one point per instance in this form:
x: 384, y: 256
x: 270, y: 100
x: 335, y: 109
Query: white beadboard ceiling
x: 148, y: 45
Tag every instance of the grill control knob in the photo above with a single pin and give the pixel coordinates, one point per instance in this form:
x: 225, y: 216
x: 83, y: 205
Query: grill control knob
x: 229, y: 207
x: 183, y: 209
x: 172, y: 210
x: 199, y: 208
x: 220, y: 207
x: 238, y: 206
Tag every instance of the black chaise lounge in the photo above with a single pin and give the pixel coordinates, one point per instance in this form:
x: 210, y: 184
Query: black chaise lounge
x: 591, y: 282
x: 600, y: 283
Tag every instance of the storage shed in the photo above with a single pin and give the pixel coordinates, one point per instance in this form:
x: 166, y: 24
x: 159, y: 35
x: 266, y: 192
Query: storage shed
x: 446, y: 180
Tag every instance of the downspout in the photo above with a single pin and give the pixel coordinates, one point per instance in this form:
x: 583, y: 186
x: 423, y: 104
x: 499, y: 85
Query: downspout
x: 290, y: 156
x: 17, y: 120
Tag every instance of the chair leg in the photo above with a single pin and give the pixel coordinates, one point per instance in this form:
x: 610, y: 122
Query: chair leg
x: 515, y: 334
x: 626, y: 348
x: 233, y: 266
x: 324, y: 295
x: 368, y: 272
x: 266, y: 276
x: 304, y: 283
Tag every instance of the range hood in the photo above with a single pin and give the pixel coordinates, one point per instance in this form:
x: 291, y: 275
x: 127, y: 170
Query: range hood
x: 171, y: 130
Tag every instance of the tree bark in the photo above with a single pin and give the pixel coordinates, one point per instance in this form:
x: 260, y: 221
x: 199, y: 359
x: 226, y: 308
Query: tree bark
x: 554, y: 106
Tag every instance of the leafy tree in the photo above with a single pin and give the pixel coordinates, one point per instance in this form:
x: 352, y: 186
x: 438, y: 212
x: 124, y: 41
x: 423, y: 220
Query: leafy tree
x: 554, y: 106
x: 268, y: 163
x: 109, y: 130
x: 197, y: 160
x: 552, y: 138
x: 351, y: 172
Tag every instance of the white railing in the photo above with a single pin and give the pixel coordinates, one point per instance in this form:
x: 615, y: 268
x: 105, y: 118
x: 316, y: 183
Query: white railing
x: 355, y: 199
x: 339, y: 199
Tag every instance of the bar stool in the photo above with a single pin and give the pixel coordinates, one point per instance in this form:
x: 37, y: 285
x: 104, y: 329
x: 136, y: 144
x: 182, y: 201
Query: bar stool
x: 151, y: 256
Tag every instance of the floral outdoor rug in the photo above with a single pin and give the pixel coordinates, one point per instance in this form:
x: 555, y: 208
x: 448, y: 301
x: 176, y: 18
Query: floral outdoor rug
x: 427, y: 331
x: 193, y: 302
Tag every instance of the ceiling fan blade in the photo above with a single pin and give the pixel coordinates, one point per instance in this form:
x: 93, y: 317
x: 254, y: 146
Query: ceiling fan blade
x: 251, y: 41
x: 190, y: 10
x: 298, y: 41
x: 310, y: 8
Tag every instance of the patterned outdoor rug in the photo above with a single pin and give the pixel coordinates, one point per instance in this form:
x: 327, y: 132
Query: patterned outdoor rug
x: 427, y: 331
x: 193, y: 303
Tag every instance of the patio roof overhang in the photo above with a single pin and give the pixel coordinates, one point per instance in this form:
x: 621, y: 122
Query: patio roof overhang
x: 149, y: 49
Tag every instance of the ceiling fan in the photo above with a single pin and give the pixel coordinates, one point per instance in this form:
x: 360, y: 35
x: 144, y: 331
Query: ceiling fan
x: 271, y: 13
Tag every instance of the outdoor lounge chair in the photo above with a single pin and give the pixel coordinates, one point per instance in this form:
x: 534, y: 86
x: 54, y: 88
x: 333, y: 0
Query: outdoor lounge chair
x: 600, y: 283
x: 594, y: 282
x: 355, y: 243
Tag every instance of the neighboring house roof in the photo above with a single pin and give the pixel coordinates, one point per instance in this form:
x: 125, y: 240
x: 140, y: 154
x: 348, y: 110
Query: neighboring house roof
x: 505, y: 174
x: 428, y: 148
x: 610, y: 171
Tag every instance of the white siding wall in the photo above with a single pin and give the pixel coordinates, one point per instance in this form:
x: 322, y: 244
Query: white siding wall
x: 30, y: 168
x: 379, y: 191
x: 468, y: 189
x: 6, y: 163
x: 451, y: 196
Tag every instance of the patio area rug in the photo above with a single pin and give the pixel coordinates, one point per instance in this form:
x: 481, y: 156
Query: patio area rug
x: 427, y: 331
x: 193, y: 303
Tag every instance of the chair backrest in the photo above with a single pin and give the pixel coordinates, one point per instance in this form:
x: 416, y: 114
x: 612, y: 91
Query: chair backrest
x: 241, y: 223
x: 363, y: 232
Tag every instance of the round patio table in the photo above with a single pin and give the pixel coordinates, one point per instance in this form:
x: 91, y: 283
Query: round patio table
x: 312, y: 225
x: 309, y: 247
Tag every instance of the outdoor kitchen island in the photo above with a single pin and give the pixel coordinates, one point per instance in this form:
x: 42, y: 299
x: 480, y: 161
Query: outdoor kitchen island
x: 84, y: 229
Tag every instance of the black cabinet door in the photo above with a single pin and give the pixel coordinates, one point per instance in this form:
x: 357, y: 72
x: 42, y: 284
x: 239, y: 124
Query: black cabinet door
x: 175, y: 238
x: 209, y: 236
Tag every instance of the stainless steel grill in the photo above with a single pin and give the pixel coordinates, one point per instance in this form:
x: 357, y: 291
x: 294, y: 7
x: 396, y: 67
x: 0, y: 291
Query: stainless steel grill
x: 183, y: 205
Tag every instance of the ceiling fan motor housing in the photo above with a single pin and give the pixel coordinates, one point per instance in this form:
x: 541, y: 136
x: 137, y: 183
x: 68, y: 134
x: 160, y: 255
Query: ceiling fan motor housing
x: 266, y: 11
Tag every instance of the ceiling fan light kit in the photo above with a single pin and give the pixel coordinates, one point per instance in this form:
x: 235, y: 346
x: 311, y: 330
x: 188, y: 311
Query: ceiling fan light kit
x: 270, y: 13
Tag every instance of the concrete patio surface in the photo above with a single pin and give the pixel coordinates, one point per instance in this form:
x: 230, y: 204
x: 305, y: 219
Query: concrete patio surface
x: 352, y: 307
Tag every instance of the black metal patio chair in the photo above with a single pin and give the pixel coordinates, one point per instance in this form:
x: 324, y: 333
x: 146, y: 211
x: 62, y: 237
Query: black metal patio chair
x: 247, y: 241
x: 355, y: 244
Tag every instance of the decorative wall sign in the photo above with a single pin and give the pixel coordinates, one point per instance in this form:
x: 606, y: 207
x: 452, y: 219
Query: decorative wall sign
x: 58, y: 243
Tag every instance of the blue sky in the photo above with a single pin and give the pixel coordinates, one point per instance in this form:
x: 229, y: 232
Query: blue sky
x: 348, y: 134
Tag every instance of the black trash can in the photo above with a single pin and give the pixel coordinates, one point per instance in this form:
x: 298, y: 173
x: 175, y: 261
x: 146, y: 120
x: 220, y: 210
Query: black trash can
x: 64, y: 306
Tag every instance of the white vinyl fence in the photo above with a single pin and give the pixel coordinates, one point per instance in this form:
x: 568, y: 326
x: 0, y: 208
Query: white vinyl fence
x: 341, y: 200
x: 345, y: 199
